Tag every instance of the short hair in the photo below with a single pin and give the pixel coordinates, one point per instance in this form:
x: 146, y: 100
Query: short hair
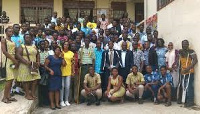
x: 162, y: 40
x: 6, y: 30
x: 56, y: 48
x: 135, y: 66
x: 26, y: 35
x: 163, y: 67
x: 114, y: 68
x: 15, y: 25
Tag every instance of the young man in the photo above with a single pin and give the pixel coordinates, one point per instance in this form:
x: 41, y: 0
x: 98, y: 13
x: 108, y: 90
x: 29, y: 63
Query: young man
x: 138, y: 57
x: 126, y: 58
x: 110, y: 59
x: 135, y: 84
x: 85, y: 29
x: 151, y: 84
x: 188, y: 60
x: 86, y: 59
x: 92, y: 87
x: 166, y: 83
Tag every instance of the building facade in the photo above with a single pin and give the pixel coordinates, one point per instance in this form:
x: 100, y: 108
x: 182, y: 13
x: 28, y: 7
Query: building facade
x: 35, y: 11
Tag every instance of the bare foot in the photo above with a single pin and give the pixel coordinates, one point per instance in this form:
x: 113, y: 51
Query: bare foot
x: 6, y: 101
x: 29, y: 97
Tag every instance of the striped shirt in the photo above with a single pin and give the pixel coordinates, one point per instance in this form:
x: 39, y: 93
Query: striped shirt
x: 86, y: 55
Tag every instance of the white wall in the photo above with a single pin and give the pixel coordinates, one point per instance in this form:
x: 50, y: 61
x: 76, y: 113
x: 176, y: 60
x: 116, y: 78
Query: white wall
x: 178, y: 21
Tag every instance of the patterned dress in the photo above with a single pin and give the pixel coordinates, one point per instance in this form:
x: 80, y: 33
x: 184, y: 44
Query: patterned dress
x: 25, y: 74
x: 114, y: 83
x: 11, y: 73
x: 161, y: 56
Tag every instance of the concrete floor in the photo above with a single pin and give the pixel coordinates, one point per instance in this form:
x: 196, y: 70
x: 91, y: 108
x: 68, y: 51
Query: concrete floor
x: 125, y: 108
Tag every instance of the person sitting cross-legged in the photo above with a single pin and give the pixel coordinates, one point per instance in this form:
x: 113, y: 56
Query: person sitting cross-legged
x: 151, y: 84
x: 92, y: 87
x: 135, y: 84
x: 166, y: 82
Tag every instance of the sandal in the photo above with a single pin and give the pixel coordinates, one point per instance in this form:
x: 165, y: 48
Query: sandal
x: 6, y: 101
x: 12, y: 99
x: 29, y: 98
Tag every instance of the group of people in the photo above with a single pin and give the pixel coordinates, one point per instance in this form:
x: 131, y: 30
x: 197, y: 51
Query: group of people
x: 91, y: 61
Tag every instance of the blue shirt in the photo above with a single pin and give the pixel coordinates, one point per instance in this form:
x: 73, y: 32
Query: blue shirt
x: 37, y: 40
x: 146, y: 56
x: 86, y: 30
x: 166, y: 78
x: 98, y: 60
x: 18, y: 40
x: 153, y: 77
x: 161, y: 56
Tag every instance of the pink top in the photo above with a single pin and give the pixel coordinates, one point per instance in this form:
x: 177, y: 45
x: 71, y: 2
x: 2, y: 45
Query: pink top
x: 62, y: 38
x: 104, y: 24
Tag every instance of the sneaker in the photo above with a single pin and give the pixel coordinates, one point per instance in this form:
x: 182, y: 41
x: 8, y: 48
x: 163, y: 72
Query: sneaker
x: 140, y: 101
x: 67, y: 103
x: 62, y: 104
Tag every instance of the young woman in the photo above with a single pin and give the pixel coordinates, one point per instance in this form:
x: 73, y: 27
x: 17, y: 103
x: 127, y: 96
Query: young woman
x: 115, y: 90
x: 25, y: 75
x: 161, y: 50
x: 53, y: 64
x: 8, y: 49
x: 43, y: 87
x: 66, y: 74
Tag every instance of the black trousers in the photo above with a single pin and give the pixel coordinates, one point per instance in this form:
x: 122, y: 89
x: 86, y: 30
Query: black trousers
x: 124, y: 73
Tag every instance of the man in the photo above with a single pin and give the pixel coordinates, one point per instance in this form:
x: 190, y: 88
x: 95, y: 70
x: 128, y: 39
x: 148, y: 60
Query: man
x: 86, y: 59
x: 188, y: 59
x: 126, y: 58
x: 150, y: 57
x: 98, y: 52
x: 143, y: 37
x: 92, y: 87
x: 59, y: 26
x: 116, y: 27
x: 110, y: 59
x: 46, y: 23
x: 135, y: 84
x: 85, y: 29
x: 125, y: 39
x: 54, y: 18
x: 107, y: 37
x: 151, y: 84
x: 16, y: 37
x: 4, y: 18
x: 166, y: 83
x: 138, y: 57
x: 141, y: 32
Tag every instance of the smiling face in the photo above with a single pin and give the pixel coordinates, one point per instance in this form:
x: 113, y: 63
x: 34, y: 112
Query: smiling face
x: 170, y: 46
x: 114, y: 72
x: 27, y: 39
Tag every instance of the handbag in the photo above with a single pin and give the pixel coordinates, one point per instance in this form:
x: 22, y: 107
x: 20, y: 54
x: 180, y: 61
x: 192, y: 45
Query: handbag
x: 3, y: 69
x: 34, y: 66
x: 44, y: 77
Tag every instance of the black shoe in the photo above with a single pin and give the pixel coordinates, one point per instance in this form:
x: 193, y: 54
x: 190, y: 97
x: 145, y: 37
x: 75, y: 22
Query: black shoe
x: 58, y: 107
x: 168, y: 104
x: 98, y: 103
x: 89, y: 103
x: 140, y: 101
x: 53, y: 108
x: 179, y: 102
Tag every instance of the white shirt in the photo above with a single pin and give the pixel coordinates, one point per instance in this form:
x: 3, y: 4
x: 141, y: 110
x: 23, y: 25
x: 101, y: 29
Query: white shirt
x: 170, y: 57
x: 54, y: 20
x: 111, y: 59
x: 116, y: 46
x: 129, y: 45
x: 109, y: 26
x: 123, y: 57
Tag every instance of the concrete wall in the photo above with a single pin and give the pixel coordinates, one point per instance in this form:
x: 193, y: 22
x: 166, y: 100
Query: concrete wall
x: 12, y: 7
x: 58, y: 6
x: 178, y: 21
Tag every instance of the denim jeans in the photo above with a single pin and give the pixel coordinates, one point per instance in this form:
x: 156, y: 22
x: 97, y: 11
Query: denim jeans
x: 65, y: 88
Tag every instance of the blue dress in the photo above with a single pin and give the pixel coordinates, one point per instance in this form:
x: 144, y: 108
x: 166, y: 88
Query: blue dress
x: 55, y: 81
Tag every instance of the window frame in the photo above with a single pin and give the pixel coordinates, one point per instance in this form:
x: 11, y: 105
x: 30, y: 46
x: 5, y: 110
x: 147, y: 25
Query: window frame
x: 163, y: 3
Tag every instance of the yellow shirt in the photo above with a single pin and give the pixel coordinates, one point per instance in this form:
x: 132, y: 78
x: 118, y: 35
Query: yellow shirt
x: 92, y: 81
x: 67, y: 70
x: 131, y: 78
x: 91, y: 25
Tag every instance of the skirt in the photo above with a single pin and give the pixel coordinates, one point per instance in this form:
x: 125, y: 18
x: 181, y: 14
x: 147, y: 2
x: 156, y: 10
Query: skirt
x: 55, y: 83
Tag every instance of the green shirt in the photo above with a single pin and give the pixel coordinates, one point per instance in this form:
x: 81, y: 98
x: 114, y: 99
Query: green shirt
x: 86, y: 55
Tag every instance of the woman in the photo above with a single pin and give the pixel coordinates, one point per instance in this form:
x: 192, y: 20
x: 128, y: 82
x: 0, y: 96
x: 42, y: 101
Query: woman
x: 25, y: 76
x: 53, y: 64
x: 43, y: 89
x: 53, y: 45
x: 171, y: 63
x: 8, y: 49
x: 115, y: 90
x: 66, y: 74
x: 161, y: 51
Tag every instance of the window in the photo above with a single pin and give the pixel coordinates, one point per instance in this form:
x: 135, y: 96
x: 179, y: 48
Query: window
x: 73, y: 8
x: 119, y: 8
x: 162, y: 3
x: 34, y: 11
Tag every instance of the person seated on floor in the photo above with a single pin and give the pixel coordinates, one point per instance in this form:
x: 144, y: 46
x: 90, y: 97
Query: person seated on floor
x: 92, y: 87
x: 135, y: 84
x: 115, y: 89
x: 166, y: 84
x: 151, y: 84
